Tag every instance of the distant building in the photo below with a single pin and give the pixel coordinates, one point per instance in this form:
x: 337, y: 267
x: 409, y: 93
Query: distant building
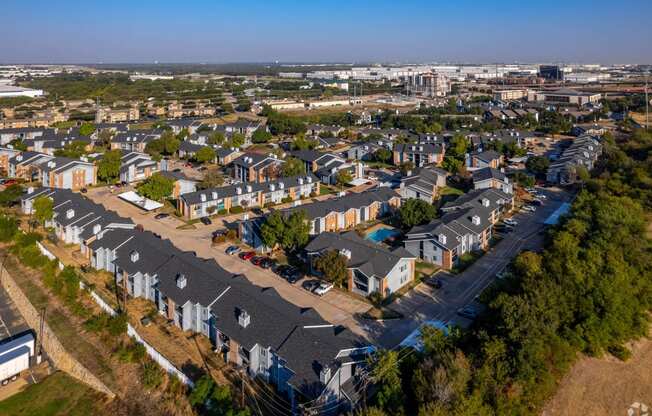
x: 583, y: 153
x: 109, y: 115
x: 13, y: 91
x: 419, y: 154
x: 510, y: 95
x: 429, y: 84
x: 552, y: 72
x: 565, y: 96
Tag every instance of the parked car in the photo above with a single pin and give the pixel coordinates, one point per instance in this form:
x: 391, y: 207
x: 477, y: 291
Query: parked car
x: 433, y: 282
x: 256, y: 260
x: 537, y: 202
x: 529, y: 208
x: 231, y: 250
x: 10, y: 182
x: 161, y: 216
x: 266, y: 263
x: 468, y: 312
x: 323, y: 288
x: 83, y: 190
x: 176, y: 170
x: 540, y: 195
x: 510, y: 221
x: 205, y: 220
x: 310, y: 285
x: 292, y: 278
x: 247, y: 255
x: 218, y: 233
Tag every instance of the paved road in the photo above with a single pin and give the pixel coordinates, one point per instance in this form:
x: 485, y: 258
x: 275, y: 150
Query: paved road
x: 11, y: 322
x: 425, y: 303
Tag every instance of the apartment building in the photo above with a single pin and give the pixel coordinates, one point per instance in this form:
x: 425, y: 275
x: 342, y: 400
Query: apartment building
x: 210, y: 201
x: 565, y: 96
x: 255, y: 167
x: 372, y: 268
x: 326, y: 165
x: 419, y: 154
x: 76, y: 219
x: 134, y: 140
x: 492, y: 178
x: 6, y: 154
x: 510, y: 95
x: 582, y: 153
x: 10, y: 134
x: 137, y: 166
x: 51, y: 171
x: 486, y: 159
x: 181, y: 183
x: 251, y: 327
x: 465, y: 226
x: 423, y: 183
x: 106, y: 114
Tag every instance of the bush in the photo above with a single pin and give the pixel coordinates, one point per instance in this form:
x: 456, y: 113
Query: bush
x: 8, y: 228
x: 132, y: 352
x: 620, y: 352
x: 268, y: 204
x: 151, y: 375
x: 231, y: 235
x: 313, y: 194
x: 117, y: 325
x: 223, y: 211
x: 96, y: 323
x: 287, y: 200
x: 236, y: 210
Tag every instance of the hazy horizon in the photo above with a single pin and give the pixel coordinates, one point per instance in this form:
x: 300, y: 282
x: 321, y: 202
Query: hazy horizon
x: 200, y: 31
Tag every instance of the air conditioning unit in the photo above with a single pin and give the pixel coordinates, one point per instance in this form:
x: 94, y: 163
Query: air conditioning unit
x: 181, y: 281
x: 244, y: 319
x: 202, y: 197
x: 134, y: 256
x: 70, y: 213
x: 346, y: 253
x: 475, y: 220
x: 442, y: 238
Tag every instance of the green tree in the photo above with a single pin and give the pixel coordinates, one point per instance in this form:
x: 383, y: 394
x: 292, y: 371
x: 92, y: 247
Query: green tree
x: 86, y: 129
x: 205, y: 155
x: 343, y: 177
x: 216, y: 138
x: 538, y: 165
x: 457, y: 147
x: 272, y: 230
x: 452, y: 165
x: 237, y: 140
x: 10, y: 195
x: 416, y: 212
x: 212, y: 179
x: 386, y: 373
x: 293, y: 167
x: 156, y: 187
x: 383, y: 155
x: 73, y: 150
x: 261, y: 135
x: 18, y: 144
x: 333, y: 265
x: 301, y: 143
x: 43, y: 209
x: 8, y: 228
x: 296, y: 232
x: 406, y: 167
x: 108, y: 167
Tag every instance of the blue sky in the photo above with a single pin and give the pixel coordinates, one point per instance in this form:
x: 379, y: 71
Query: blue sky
x: 217, y: 31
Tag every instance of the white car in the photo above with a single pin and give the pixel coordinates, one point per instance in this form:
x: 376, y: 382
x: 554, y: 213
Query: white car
x: 510, y: 221
x: 540, y: 195
x: 529, y: 208
x: 323, y: 288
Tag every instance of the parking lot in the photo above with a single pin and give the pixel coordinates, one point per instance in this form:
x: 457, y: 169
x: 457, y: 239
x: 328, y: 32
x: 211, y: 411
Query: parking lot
x: 11, y: 322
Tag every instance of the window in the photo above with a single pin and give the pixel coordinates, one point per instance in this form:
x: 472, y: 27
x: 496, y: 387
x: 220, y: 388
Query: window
x: 404, y: 267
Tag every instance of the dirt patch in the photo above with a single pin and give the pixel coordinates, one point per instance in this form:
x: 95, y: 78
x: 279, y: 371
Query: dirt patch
x: 605, y: 386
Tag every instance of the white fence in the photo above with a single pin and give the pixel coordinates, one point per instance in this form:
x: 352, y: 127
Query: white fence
x: 47, y: 253
x: 151, y: 351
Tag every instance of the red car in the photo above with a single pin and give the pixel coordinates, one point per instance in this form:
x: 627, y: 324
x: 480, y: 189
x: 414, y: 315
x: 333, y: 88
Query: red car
x: 10, y: 182
x: 247, y: 255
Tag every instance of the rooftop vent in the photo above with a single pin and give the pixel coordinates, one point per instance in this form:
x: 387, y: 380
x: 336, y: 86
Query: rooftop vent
x: 249, y: 189
x: 281, y: 185
x: 442, y: 238
x: 238, y: 190
x: 97, y: 228
x: 300, y: 181
x: 272, y: 187
x: 244, y: 319
x: 70, y: 213
x: 485, y: 202
x: 346, y: 253
x: 181, y: 280
x: 202, y: 197
x: 325, y: 375
x: 214, y: 195
x: 475, y: 220
x: 134, y: 256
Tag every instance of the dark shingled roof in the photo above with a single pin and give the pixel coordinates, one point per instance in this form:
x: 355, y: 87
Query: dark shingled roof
x: 488, y: 173
x: 344, y: 203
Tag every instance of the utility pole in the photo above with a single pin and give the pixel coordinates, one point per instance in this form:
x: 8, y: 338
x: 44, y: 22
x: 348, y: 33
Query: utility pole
x: 40, y: 335
x: 647, y: 103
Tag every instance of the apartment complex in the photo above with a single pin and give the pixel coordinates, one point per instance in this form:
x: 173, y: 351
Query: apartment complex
x: 582, y: 153
x: 51, y: 171
x: 419, y: 154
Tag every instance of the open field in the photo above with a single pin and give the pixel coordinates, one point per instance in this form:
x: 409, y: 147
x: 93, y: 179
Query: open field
x: 57, y: 395
x: 605, y: 386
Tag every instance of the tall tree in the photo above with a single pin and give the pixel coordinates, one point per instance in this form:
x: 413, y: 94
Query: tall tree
x: 333, y: 265
x: 416, y: 212
x: 108, y: 168
x: 293, y: 167
x: 156, y: 187
x: 205, y: 155
x: 43, y: 209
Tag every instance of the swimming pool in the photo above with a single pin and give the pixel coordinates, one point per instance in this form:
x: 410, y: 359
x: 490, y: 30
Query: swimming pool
x: 381, y: 234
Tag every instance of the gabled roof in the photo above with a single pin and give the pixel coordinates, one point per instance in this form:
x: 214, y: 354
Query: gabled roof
x: 372, y: 259
x: 487, y: 156
x: 344, y: 203
x: 488, y: 173
x: 424, y: 148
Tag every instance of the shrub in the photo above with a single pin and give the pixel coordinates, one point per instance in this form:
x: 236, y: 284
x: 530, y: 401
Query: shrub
x: 8, y: 228
x: 286, y: 200
x: 222, y: 211
x: 268, y: 204
x: 96, y: 323
x: 236, y: 210
x: 117, y: 325
x: 219, y: 239
x: 313, y: 194
x: 231, y: 235
x: 151, y: 375
x: 132, y: 352
x: 621, y: 352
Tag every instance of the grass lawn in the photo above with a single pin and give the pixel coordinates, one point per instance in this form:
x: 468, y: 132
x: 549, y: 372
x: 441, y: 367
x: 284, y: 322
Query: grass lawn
x: 325, y: 190
x: 57, y: 395
x: 447, y: 190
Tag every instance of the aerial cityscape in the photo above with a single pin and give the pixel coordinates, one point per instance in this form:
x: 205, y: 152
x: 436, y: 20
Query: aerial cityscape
x: 343, y: 208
